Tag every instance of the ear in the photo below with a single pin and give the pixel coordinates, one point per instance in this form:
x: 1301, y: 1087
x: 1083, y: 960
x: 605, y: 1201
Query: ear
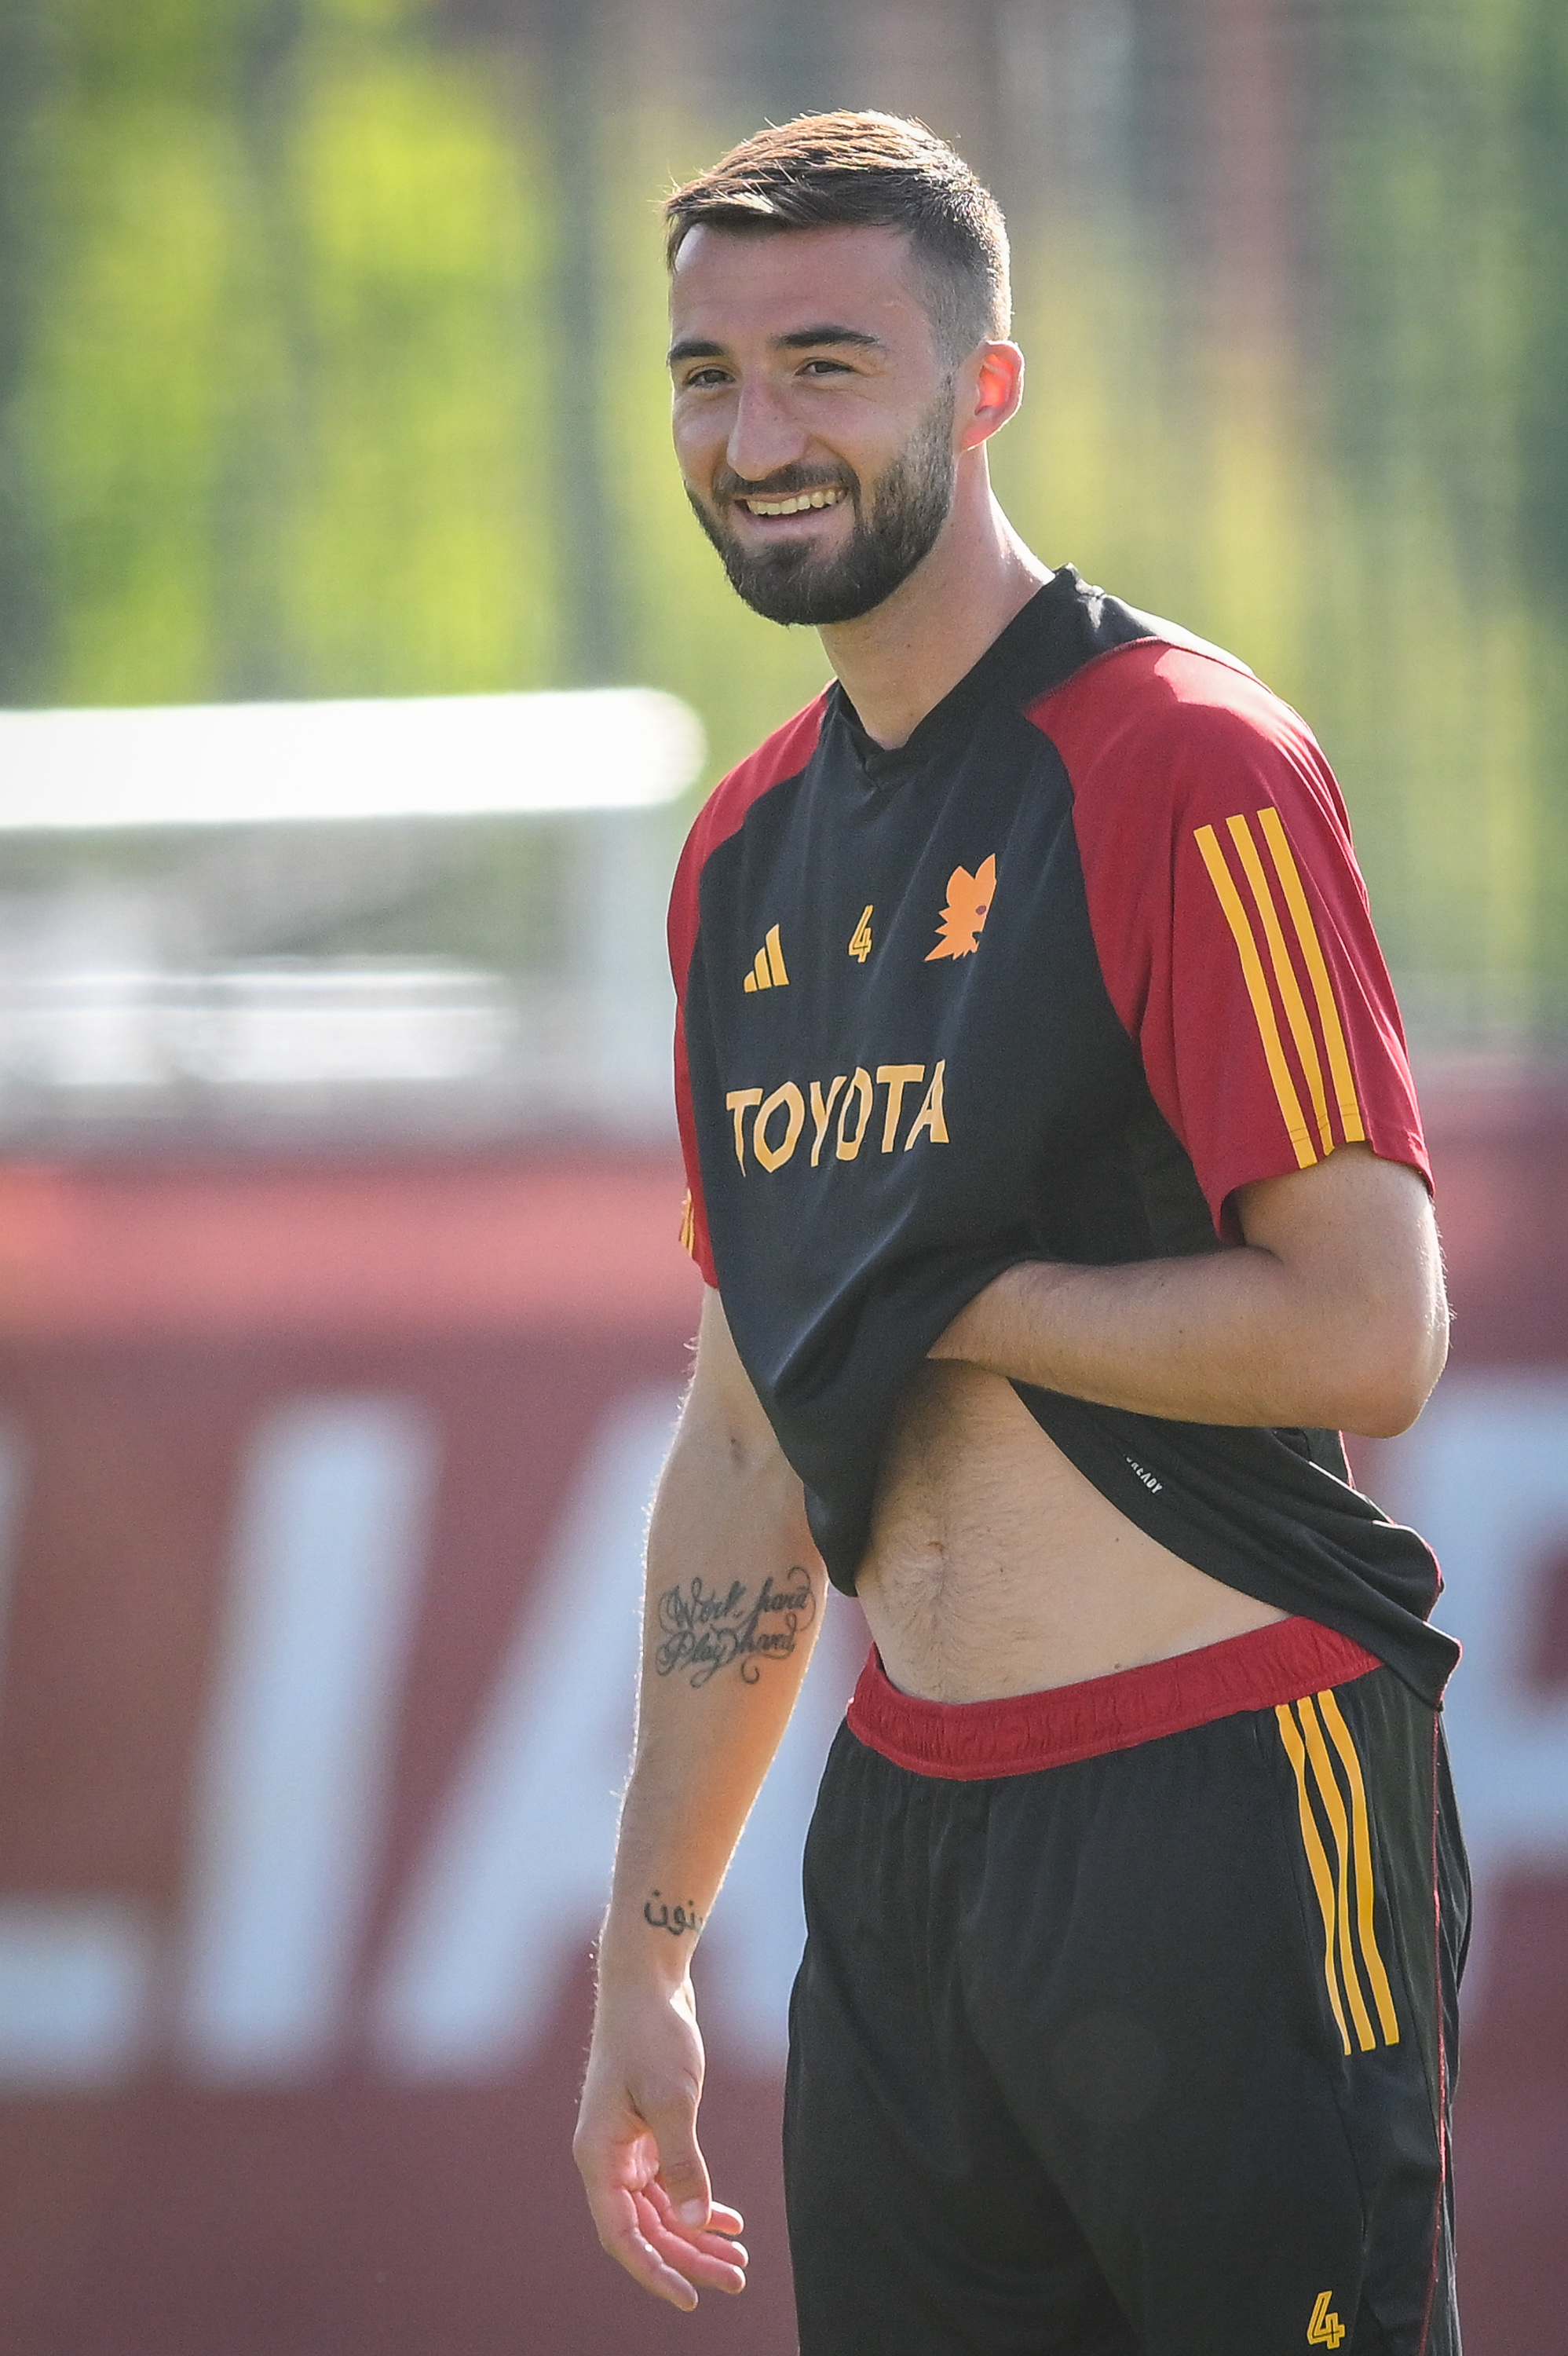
x: 990, y: 387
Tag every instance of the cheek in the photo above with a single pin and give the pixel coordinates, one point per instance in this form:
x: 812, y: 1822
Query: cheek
x: 700, y: 442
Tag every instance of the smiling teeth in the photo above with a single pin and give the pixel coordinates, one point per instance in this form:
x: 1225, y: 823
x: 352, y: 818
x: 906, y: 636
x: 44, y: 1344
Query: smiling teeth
x: 794, y: 506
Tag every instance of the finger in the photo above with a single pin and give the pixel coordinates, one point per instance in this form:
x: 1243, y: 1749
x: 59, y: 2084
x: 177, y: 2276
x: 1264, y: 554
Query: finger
x: 721, y: 2218
x: 681, y: 2244
x: 683, y: 2172
x: 701, y: 2273
x: 712, y: 2245
x: 702, y: 2259
x: 683, y: 2248
x: 621, y: 2234
x: 620, y: 2212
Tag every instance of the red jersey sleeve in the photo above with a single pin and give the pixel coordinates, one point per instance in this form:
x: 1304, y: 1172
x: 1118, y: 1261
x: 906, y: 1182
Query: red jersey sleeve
x: 783, y: 755
x: 1231, y: 919
x: 683, y: 918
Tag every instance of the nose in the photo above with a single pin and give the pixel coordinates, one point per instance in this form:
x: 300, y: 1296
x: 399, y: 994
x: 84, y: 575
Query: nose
x: 764, y: 436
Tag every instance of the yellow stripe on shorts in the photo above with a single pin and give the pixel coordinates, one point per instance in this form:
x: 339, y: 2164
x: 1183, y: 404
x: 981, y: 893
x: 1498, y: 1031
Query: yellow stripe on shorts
x: 1320, y: 1745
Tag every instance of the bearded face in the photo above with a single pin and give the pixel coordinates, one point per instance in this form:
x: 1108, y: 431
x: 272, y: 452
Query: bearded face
x: 896, y: 519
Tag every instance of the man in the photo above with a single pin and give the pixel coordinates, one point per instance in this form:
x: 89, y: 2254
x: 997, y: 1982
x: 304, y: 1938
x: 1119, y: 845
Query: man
x: 1060, y: 1189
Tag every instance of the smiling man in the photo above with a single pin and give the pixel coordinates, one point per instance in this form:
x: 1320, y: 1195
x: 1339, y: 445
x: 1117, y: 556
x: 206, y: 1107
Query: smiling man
x: 1059, y: 1185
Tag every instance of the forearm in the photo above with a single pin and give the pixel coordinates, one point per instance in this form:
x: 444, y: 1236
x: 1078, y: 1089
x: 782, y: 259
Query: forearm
x: 1193, y: 1339
x: 733, y: 1598
x: 1343, y: 1325
x: 700, y: 1763
x: 734, y: 1595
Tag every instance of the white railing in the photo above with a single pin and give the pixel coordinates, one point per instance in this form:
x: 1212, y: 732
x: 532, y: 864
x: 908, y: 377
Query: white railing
x: 141, y: 1001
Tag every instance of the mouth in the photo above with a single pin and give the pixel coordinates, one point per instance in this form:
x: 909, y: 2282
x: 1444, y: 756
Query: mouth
x: 795, y: 503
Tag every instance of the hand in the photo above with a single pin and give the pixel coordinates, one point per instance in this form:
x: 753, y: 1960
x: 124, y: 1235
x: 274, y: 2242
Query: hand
x: 637, y: 2151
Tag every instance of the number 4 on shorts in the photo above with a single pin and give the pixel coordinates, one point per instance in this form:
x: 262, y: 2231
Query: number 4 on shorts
x: 1325, y: 2330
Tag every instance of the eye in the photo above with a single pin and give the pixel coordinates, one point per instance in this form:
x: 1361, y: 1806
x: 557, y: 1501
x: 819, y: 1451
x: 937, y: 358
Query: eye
x: 824, y: 368
x: 703, y: 379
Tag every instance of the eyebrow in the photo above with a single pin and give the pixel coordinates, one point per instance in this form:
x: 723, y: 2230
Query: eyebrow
x: 799, y: 339
x: 803, y: 338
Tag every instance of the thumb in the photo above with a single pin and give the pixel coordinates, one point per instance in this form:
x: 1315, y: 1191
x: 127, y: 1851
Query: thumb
x: 683, y: 2172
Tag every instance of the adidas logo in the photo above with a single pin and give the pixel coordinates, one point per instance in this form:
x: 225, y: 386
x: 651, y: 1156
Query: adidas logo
x: 768, y: 972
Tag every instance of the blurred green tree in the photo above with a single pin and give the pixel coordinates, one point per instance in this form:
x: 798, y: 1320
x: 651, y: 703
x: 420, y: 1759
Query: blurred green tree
x: 330, y: 363
x: 1349, y: 465
x: 279, y: 414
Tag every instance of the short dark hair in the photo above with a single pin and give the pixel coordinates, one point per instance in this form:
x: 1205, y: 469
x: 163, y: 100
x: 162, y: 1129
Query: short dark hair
x: 866, y: 171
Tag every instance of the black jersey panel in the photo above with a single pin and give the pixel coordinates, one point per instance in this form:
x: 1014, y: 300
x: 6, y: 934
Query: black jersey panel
x: 841, y: 1264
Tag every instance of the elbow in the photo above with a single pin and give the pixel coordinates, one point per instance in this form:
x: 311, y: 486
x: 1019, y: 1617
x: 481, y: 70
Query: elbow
x: 1398, y: 1363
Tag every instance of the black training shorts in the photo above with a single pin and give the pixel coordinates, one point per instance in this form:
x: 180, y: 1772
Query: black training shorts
x: 1145, y: 2051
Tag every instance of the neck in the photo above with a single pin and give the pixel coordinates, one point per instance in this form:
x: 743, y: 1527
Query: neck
x: 897, y: 662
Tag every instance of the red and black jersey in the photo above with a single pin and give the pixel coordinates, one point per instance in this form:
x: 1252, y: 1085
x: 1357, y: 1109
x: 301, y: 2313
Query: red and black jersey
x: 1050, y: 981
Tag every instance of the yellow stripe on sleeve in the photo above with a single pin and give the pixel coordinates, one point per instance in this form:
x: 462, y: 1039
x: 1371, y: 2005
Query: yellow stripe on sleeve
x: 1322, y: 1767
x: 1230, y: 900
x: 1285, y: 974
x: 1322, y: 987
x: 1316, y: 1858
x: 1382, y: 1995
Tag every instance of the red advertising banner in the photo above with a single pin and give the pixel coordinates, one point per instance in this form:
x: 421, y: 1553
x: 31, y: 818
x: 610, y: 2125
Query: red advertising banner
x: 322, y: 1492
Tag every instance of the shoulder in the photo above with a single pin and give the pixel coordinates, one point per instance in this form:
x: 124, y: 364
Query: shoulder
x: 1181, y: 732
x: 780, y: 756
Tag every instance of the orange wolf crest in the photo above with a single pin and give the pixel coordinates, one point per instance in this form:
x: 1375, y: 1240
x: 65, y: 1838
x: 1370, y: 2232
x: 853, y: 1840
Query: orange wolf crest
x: 969, y: 901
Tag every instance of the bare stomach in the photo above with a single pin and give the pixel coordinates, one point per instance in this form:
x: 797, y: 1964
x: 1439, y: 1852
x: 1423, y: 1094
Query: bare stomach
x: 995, y: 1567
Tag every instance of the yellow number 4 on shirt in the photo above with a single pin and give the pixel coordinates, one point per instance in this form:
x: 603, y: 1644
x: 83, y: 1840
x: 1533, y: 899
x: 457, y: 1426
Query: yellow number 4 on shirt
x: 1325, y: 2330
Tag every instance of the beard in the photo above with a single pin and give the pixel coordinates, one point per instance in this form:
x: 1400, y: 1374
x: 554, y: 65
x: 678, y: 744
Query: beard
x: 894, y: 531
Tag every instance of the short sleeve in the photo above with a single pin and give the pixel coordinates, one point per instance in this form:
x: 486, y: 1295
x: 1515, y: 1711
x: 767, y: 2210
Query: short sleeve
x: 683, y: 920
x: 1231, y: 919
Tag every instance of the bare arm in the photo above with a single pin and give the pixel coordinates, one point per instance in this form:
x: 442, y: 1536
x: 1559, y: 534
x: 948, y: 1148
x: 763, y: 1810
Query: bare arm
x: 735, y: 1589
x: 1332, y: 1313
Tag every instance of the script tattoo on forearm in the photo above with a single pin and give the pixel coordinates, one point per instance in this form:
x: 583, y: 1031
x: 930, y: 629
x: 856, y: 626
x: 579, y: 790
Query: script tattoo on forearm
x: 675, y: 1920
x: 705, y: 1629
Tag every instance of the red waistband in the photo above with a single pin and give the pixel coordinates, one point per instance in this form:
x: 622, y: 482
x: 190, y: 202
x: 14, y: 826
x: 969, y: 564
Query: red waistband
x: 1023, y: 1733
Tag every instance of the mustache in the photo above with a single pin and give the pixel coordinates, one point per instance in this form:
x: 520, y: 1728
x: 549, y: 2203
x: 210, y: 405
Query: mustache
x: 788, y: 483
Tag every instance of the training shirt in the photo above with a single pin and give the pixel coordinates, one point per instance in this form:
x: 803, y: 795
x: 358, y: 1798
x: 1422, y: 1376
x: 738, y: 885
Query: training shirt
x: 1050, y: 981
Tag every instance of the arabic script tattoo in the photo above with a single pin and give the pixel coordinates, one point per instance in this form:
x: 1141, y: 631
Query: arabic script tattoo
x: 675, y: 1920
x: 705, y: 1629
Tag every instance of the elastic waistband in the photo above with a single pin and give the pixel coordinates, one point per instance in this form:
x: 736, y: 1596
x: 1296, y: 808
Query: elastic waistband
x: 969, y: 1741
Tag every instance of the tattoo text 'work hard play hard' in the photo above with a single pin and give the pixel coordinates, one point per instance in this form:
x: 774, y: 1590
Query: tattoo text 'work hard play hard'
x: 704, y: 1630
